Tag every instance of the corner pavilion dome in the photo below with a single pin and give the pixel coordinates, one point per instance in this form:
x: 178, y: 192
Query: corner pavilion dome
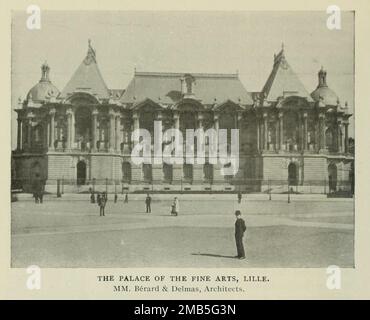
x: 44, y: 89
x: 323, y: 92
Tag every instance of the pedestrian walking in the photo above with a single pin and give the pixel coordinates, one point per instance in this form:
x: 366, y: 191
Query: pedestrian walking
x: 36, y: 196
x: 115, y: 198
x: 240, y: 228
x: 103, y: 202
x: 175, y: 207
x: 126, y: 198
x: 239, y: 197
x: 148, y: 201
x: 98, y: 199
x: 41, y: 196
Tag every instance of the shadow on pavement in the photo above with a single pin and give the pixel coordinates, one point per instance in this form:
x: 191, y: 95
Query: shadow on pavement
x: 212, y: 255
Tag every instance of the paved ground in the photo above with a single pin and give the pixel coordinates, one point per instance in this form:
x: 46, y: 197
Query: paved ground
x: 68, y: 232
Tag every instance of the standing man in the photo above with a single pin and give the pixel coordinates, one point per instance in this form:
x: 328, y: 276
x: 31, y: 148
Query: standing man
x: 148, y: 201
x: 103, y: 201
x: 126, y: 198
x: 239, y: 233
x: 115, y: 198
x: 239, y: 197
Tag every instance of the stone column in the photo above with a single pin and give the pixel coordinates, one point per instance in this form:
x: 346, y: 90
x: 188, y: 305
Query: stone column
x: 300, y: 142
x: 265, y: 129
x: 281, y: 130
x: 239, y: 120
x: 94, y: 133
x: 322, y: 131
x: 123, y: 121
x: 111, y: 130
x: 29, y: 130
x: 339, y: 139
x: 176, y: 119
x: 24, y: 134
x: 346, y: 149
x: 69, y: 129
x: 200, y: 120
x: 305, y: 129
x: 116, y: 132
x: 258, y: 125
x: 47, y: 133
x: 216, y: 121
x: 135, y: 118
x: 276, y: 142
x: 73, y: 128
x: 52, y: 128
x: 19, y: 134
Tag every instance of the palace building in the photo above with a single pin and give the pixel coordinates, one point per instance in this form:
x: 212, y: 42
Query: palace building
x: 81, y: 135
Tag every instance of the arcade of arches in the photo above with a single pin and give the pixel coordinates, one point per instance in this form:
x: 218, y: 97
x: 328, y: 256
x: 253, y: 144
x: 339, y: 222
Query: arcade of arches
x: 288, y: 137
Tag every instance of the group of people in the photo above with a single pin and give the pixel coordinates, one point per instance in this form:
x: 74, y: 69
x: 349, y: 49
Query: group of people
x: 38, y: 195
x: 240, y: 226
x: 175, y: 206
x: 102, y: 199
x: 38, y: 189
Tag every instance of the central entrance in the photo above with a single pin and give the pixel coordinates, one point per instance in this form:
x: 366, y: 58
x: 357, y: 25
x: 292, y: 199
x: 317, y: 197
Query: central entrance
x: 81, y: 172
x: 293, y: 174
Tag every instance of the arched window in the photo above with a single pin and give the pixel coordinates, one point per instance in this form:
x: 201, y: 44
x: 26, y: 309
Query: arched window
x: 61, y: 128
x: 147, y: 173
x: 146, y: 121
x: 311, y: 133
x: 81, y: 172
x: 330, y: 139
x: 291, y: 131
x: 83, y: 124
x: 126, y: 172
x: 187, y: 121
x: 271, y: 139
x: 38, y: 133
x: 227, y: 120
x: 188, y: 172
x: 103, y: 133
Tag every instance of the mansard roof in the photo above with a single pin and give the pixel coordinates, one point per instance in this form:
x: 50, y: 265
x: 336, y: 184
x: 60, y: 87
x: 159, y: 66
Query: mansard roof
x: 168, y: 88
x: 87, y: 78
x: 283, y: 81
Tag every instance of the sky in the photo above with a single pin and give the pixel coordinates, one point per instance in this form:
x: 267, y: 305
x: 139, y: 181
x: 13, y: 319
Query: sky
x: 188, y: 42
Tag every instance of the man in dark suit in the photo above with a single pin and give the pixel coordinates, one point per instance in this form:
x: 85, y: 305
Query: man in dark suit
x: 148, y: 201
x: 239, y: 233
x: 239, y: 197
x: 102, y: 204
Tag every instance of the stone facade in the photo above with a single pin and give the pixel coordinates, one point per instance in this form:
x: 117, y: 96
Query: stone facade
x: 81, y: 136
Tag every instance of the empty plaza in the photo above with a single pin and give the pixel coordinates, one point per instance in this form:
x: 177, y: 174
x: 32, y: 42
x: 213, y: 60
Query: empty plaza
x: 310, y: 231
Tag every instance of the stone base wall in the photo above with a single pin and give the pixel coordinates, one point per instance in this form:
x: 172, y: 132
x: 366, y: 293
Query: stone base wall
x: 262, y: 173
